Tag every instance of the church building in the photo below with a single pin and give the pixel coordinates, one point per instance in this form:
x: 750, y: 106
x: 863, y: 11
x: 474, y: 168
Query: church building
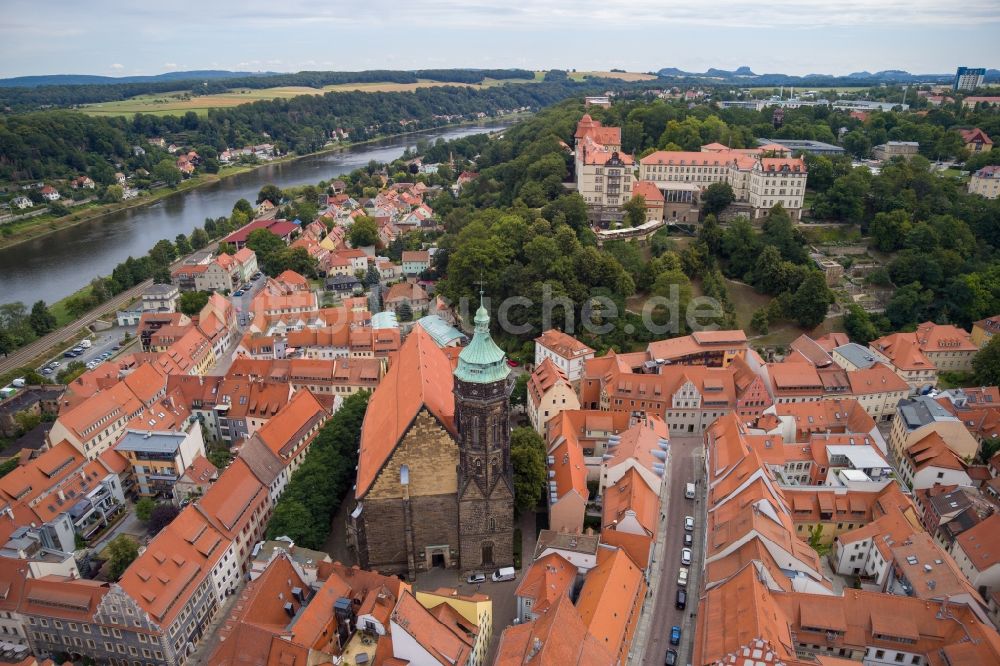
x: 435, y: 482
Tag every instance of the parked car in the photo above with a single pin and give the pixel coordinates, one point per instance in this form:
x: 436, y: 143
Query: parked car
x: 512, y: 363
x: 682, y: 577
x: 675, y: 635
x: 54, y: 364
x: 69, y: 353
x: 682, y: 600
x: 671, y: 658
x: 504, y: 573
x: 78, y: 350
x: 688, y: 539
x: 238, y: 292
x: 475, y: 578
x: 689, y: 523
x: 46, y: 370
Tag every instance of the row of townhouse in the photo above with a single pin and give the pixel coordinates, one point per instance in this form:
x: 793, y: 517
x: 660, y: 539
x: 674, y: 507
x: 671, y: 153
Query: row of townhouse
x: 332, y: 613
x: 765, y: 591
x: 224, y: 272
x: 159, y: 610
x: 919, y: 357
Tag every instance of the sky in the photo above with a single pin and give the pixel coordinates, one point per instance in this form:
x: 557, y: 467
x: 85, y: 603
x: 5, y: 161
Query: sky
x: 115, y: 38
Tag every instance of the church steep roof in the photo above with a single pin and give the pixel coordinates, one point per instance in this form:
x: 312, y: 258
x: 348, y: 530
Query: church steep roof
x: 420, y: 377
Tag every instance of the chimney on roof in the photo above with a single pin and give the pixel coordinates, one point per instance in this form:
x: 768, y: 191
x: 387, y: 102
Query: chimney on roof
x: 536, y: 647
x: 289, y: 609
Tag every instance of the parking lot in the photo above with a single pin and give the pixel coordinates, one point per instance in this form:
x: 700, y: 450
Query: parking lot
x: 102, y: 347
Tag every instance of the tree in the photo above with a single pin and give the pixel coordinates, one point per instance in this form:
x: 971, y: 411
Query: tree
x: 183, y: 245
x: 811, y: 300
x: 268, y: 193
x: 71, y: 371
x: 9, y: 465
x: 759, y: 321
x: 122, y: 551
x: 364, y: 232
x: 527, y: 457
x: 113, y: 194
x: 27, y: 421
x: 908, y: 305
x: 857, y: 143
x: 264, y: 243
x: 293, y: 518
x: 986, y: 363
x: 42, y: 321
x: 635, y: 211
x: 859, y: 325
x: 404, y: 312
x: 199, y: 238
x: 519, y: 396
x: 245, y: 207
x: 716, y: 198
x: 167, y: 172
x: 144, y: 508
x: 161, y: 516
x: 191, y: 302
x: 163, y: 253
x: 890, y: 230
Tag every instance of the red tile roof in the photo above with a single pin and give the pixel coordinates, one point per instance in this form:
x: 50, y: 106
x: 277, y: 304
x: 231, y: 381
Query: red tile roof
x: 563, y: 344
x: 420, y: 378
x: 557, y: 638
x: 610, y: 601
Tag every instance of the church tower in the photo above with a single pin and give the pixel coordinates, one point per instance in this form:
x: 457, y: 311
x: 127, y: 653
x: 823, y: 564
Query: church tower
x: 483, y: 384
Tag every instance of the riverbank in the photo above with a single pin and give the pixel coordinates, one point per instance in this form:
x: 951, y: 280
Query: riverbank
x: 45, y: 225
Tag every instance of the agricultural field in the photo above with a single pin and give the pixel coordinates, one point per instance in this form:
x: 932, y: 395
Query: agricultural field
x: 624, y: 76
x: 181, y: 102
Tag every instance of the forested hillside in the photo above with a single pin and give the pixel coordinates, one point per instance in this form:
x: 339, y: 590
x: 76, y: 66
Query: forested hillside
x: 516, y: 227
x: 64, y: 144
x: 27, y: 98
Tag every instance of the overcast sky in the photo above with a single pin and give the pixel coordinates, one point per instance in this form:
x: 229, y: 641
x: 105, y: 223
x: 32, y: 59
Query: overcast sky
x: 789, y: 36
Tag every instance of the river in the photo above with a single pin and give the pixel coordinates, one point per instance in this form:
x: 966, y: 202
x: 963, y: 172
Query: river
x: 56, y: 265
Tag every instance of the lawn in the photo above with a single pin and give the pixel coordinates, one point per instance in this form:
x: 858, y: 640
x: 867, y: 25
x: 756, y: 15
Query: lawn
x: 831, y: 234
x: 747, y: 301
x: 182, y: 102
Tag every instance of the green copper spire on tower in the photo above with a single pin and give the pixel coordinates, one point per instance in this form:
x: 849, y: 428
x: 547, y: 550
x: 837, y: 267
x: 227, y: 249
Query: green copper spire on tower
x: 482, y: 362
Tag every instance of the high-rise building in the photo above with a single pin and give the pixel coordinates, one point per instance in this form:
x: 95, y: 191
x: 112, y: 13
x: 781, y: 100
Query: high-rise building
x: 969, y: 78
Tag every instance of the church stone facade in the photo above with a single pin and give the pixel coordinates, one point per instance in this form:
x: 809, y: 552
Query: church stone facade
x: 435, y: 482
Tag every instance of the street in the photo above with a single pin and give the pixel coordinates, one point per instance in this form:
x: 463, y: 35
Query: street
x: 686, y: 466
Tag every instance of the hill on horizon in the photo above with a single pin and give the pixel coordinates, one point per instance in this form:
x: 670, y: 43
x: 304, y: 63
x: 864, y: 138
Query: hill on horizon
x: 93, y: 79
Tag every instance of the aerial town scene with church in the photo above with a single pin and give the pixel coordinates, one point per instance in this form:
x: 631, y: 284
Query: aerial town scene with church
x: 514, y: 366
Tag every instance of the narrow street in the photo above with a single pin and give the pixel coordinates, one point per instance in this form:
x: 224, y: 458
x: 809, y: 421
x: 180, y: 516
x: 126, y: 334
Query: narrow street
x: 659, y: 611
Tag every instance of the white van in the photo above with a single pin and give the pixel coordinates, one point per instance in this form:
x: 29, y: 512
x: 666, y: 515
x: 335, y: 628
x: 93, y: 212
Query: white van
x: 85, y: 344
x: 689, y: 491
x: 19, y: 382
x: 504, y: 573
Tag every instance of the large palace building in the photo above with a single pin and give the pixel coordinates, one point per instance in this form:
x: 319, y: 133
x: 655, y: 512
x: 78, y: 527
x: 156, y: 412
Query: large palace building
x: 435, y: 482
